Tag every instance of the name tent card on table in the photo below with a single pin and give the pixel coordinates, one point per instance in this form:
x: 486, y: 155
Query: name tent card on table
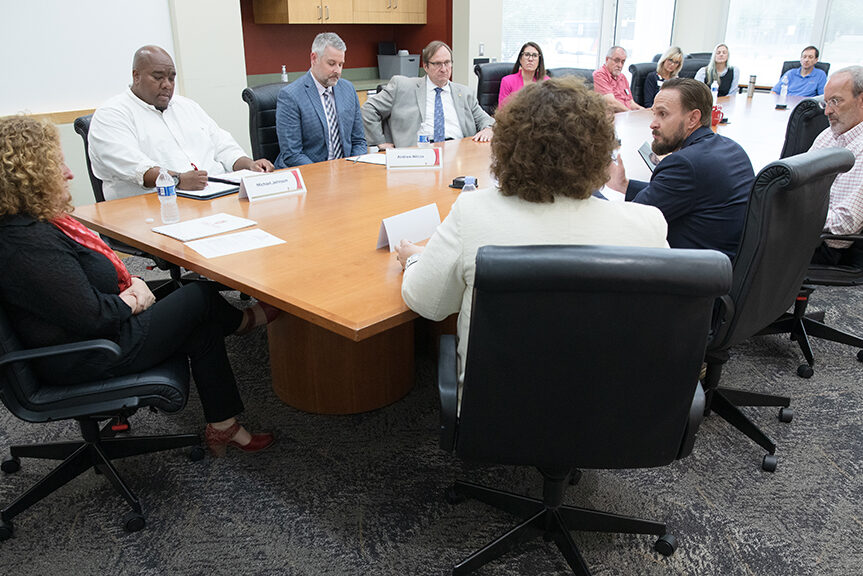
x: 272, y: 185
x: 401, y: 158
x: 414, y: 225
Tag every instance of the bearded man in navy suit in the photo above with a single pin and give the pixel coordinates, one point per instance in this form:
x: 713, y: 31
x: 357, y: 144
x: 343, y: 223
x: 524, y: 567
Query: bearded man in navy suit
x: 318, y: 115
x: 702, y: 185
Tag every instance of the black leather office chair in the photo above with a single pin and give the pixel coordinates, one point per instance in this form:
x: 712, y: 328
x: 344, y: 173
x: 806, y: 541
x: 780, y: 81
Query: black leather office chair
x: 578, y: 357
x: 158, y: 287
x: 488, y: 84
x: 806, y: 122
x: 638, y: 72
x: 692, y: 65
x: 584, y: 73
x: 789, y: 64
x: 164, y: 387
x: 262, y: 119
x: 784, y: 217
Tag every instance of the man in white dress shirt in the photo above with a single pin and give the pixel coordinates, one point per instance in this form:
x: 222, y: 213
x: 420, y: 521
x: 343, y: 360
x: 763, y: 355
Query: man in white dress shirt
x: 432, y: 105
x: 146, y: 128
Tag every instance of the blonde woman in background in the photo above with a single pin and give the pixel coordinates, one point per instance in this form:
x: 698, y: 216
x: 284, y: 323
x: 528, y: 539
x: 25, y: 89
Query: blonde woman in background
x: 718, y: 70
x: 669, y: 66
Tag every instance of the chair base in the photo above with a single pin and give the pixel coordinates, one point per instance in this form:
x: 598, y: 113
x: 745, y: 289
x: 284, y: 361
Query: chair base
x: 801, y: 326
x: 551, y: 520
x: 96, y: 452
x: 726, y: 402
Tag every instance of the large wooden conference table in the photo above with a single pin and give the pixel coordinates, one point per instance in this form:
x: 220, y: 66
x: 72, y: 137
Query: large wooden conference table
x: 346, y: 342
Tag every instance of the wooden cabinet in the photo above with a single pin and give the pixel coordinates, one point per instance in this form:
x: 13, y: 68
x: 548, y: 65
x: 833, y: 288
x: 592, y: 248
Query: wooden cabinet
x: 390, y: 11
x: 304, y: 11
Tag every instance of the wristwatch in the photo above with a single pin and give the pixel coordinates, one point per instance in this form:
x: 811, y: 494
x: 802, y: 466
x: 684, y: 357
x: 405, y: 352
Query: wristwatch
x: 176, y: 180
x: 411, y: 260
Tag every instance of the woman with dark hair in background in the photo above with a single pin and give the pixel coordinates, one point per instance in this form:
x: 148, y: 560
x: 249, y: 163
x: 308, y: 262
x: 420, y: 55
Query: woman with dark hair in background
x: 529, y: 68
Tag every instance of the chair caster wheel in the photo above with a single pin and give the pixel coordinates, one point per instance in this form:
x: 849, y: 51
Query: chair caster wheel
x: 11, y: 465
x: 786, y: 415
x: 769, y: 463
x: 133, y: 522
x: 196, y: 454
x: 452, y: 496
x: 6, y: 529
x: 805, y: 371
x: 860, y: 355
x: 666, y: 545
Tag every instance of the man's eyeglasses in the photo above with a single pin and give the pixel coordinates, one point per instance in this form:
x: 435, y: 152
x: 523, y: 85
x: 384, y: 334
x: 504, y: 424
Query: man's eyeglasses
x: 439, y: 65
x: 833, y: 103
x: 530, y: 55
x: 618, y: 60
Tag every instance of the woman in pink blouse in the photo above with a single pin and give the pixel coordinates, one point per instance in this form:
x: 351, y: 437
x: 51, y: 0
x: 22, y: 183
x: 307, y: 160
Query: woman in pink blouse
x: 529, y: 68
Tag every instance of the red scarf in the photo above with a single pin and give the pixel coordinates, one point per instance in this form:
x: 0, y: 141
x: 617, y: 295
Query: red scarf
x: 89, y: 239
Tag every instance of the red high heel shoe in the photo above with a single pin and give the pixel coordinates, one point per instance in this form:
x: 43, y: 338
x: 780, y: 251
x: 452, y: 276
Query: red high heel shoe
x: 258, y: 315
x: 219, y: 440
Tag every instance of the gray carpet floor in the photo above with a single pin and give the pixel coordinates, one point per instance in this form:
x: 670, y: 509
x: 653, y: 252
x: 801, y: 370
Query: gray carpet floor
x: 363, y: 494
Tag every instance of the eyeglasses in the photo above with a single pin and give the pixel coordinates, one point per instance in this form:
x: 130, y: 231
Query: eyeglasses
x: 833, y: 103
x: 439, y: 65
x: 618, y: 60
x: 673, y: 61
x: 530, y: 55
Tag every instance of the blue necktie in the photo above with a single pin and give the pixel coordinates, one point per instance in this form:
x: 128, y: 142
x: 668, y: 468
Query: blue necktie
x: 335, y: 145
x: 439, y: 131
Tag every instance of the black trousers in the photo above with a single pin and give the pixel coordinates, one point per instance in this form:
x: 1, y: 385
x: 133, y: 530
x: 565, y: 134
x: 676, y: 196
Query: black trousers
x: 194, y: 321
x: 851, y: 256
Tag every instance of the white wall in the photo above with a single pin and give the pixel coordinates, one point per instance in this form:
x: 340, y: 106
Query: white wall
x: 698, y: 25
x: 474, y: 22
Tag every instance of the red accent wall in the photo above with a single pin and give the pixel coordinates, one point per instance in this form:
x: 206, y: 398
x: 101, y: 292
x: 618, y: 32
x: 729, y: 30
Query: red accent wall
x: 268, y: 46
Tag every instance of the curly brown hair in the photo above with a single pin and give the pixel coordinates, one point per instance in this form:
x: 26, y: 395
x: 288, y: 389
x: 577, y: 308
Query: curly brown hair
x: 31, y: 169
x: 553, y: 138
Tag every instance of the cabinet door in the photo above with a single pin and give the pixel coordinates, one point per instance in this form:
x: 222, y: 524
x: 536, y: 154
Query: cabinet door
x: 408, y: 11
x: 337, y: 11
x: 305, y: 11
x: 287, y: 11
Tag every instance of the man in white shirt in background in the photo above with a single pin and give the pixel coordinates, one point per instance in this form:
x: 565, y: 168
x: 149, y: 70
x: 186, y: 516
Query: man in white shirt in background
x: 432, y: 105
x: 146, y: 128
x: 843, y: 105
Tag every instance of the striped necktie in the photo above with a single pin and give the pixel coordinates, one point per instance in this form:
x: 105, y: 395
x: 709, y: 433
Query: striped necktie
x: 439, y: 124
x: 333, y: 124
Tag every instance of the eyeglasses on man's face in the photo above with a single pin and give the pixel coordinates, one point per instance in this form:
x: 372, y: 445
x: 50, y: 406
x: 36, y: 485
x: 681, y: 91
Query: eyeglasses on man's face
x: 618, y: 60
x: 441, y: 64
x: 832, y: 102
x: 530, y: 55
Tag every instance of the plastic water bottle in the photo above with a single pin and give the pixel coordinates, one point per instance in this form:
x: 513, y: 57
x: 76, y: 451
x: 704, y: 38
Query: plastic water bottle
x: 423, y: 140
x: 167, y: 197
x: 783, y: 92
x: 469, y: 184
x: 284, y: 73
x: 714, y: 90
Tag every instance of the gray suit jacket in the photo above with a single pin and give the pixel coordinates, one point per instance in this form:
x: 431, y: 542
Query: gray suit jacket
x: 396, y: 113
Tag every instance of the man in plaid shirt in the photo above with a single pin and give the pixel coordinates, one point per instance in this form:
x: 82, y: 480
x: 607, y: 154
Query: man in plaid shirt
x: 843, y: 105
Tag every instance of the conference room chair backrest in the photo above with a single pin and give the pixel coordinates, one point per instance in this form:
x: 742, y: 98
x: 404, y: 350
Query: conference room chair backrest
x: 637, y: 73
x: 82, y: 127
x: 544, y: 387
x: 585, y: 73
x: 692, y: 65
x: 789, y: 64
x: 488, y: 83
x: 262, y: 119
x: 784, y: 219
x: 806, y: 122
x: 699, y: 56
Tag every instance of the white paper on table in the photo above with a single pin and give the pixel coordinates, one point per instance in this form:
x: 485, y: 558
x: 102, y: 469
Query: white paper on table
x: 380, y: 159
x: 234, y: 177
x: 414, y: 225
x: 612, y: 195
x: 202, y: 227
x: 233, y: 243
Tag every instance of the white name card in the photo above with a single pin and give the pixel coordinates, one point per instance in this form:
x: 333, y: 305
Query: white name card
x: 400, y: 158
x: 272, y: 185
x: 414, y: 225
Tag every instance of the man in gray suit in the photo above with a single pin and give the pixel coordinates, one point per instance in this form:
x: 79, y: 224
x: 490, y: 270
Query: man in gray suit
x: 432, y: 105
x: 318, y: 115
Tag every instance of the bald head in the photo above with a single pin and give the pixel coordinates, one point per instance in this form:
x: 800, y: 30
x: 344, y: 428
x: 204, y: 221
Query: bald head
x: 153, y: 75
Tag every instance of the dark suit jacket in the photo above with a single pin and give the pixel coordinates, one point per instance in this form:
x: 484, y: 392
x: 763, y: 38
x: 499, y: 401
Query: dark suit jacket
x: 702, y: 190
x: 301, y: 122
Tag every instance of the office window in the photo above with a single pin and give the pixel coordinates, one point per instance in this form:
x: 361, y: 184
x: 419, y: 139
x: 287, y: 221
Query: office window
x: 643, y: 28
x: 568, y: 31
x: 572, y: 33
x: 761, y: 35
x: 843, y: 35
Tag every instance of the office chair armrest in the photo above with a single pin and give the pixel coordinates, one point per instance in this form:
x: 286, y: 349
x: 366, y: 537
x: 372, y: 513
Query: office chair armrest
x: 696, y: 415
x: 447, y: 381
x: 72, y: 348
x: 849, y: 237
